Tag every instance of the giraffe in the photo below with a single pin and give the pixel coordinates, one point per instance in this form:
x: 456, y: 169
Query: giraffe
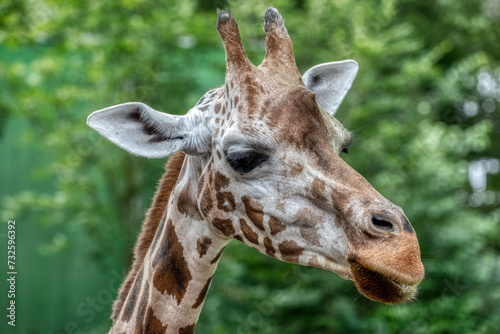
x: 256, y: 160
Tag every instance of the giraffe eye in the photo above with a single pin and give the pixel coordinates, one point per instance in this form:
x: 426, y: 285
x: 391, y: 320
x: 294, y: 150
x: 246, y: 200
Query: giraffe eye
x: 245, y: 161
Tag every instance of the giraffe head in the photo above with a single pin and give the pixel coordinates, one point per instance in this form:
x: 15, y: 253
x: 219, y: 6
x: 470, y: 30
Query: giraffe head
x: 264, y: 159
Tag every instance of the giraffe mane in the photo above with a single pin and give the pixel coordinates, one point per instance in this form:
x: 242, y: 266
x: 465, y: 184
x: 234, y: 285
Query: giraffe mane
x: 150, y: 225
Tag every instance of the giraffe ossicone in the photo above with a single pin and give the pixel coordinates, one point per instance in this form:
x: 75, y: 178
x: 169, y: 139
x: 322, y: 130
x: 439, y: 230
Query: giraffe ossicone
x: 257, y: 161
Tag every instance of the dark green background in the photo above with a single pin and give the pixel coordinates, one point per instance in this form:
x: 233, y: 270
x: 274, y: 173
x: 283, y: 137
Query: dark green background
x: 425, y: 105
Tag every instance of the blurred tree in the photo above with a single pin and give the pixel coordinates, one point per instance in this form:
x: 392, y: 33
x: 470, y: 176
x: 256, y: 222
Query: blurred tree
x: 424, y: 108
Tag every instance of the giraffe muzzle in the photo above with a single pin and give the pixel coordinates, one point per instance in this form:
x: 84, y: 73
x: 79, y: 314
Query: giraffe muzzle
x: 382, y: 288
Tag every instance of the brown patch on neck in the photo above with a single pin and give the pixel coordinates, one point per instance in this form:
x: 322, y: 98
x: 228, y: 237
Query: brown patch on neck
x: 203, y: 244
x: 150, y: 225
x: 187, y: 203
x: 152, y: 323
x: 187, y: 330
x: 203, y: 294
x: 132, y: 298
x: 217, y: 257
x: 142, y: 309
x: 171, y: 271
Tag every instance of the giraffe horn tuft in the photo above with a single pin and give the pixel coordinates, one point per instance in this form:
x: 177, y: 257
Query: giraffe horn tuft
x: 223, y: 17
x: 230, y: 34
x: 279, y: 57
x: 274, y: 23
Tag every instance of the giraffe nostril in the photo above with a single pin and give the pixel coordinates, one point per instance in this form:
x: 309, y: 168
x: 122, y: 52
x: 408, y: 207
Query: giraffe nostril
x: 382, y: 224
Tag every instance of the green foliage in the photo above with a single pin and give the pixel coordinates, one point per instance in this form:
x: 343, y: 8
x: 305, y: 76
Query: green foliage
x: 424, y: 106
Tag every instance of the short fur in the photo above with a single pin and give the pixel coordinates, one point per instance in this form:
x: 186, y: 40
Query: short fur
x: 150, y: 225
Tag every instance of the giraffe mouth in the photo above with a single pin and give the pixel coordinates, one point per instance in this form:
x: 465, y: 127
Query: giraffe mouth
x: 381, y: 287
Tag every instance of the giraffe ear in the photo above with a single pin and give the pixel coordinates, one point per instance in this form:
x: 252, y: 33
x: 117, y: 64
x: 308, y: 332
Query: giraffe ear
x: 143, y: 131
x: 330, y: 82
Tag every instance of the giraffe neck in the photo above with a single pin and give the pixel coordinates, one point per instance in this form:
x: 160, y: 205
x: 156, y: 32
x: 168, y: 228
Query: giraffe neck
x: 170, y: 287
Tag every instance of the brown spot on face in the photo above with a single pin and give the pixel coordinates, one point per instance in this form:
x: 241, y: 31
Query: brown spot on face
x: 224, y: 225
x: 295, y: 169
x: 216, y: 258
x: 216, y: 132
x: 267, y: 103
x: 290, y: 251
x: 238, y: 237
x: 203, y: 244
x: 219, y: 155
x: 132, y: 298
x: 275, y: 225
x: 255, y: 211
x: 309, y: 223
x: 251, y: 86
x: 310, y: 234
x: 152, y: 324
x: 186, y: 203
x: 225, y: 201
x: 281, y: 205
x: 223, y: 110
x: 236, y: 100
x: 269, y: 247
x: 203, y: 293
x: 307, y: 132
x: 217, y: 108
x: 171, y: 274
x: 221, y: 181
x: 248, y: 232
x: 187, y: 330
x: 318, y: 188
